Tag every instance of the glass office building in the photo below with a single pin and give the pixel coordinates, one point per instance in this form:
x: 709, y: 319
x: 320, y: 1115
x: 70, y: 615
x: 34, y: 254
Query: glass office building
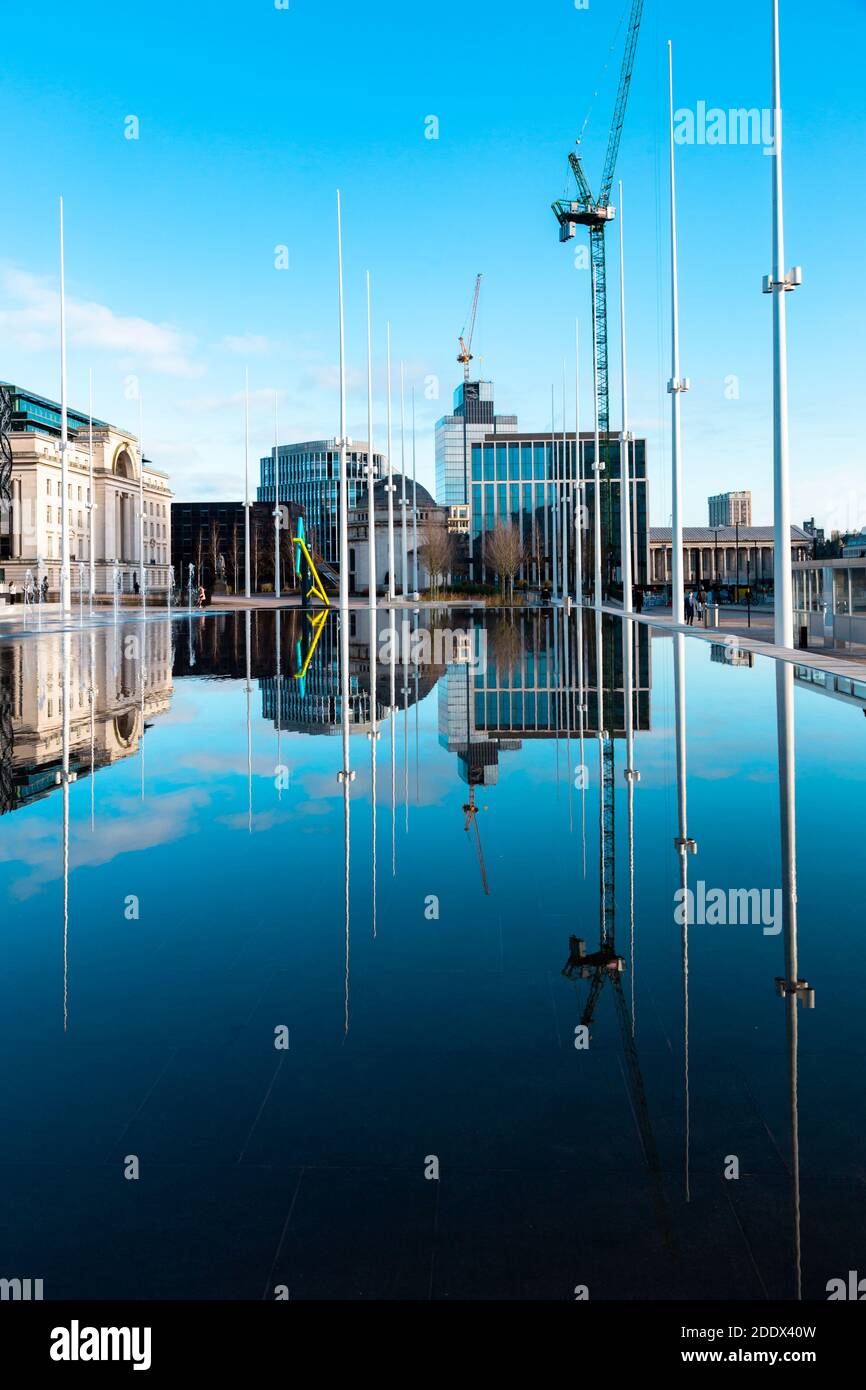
x: 472, y: 420
x: 309, y: 474
x: 516, y: 480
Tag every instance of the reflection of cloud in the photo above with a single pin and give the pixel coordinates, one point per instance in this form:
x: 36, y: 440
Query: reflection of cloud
x: 32, y: 325
x: 126, y: 828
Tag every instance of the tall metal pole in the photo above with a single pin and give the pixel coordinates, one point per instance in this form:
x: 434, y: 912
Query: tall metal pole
x: 277, y: 517
x: 414, y: 505
x: 625, y: 439
x: 676, y: 386
x: 566, y: 494
x: 141, y: 571
x: 90, y: 500
x: 596, y: 470
x: 554, y: 510
x: 371, y: 496
x: 344, y: 485
x: 247, y: 481
x: 392, y: 591
x: 578, y: 468
x: 405, y: 555
x: 65, y: 586
x: 778, y: 284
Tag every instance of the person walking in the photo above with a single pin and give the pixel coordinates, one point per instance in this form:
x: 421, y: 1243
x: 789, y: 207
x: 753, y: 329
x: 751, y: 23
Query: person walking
x: 690, y: 608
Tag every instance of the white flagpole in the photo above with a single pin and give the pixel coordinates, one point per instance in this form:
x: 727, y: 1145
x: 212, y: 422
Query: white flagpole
x: 371, y: 494
x: 390, y: 485
x: 65, y: 587
x: 344, y: 485
x: 625, y: 440
x: 778, y: 284
x: 403, y: 486
x: 676, y: 387
x: 414, y: 507
x: 247, y: 481
x: 276, y: 499
x: 91, y: 500
x: 141, y: 571
x: 596, y: 469
x: 578, y: 468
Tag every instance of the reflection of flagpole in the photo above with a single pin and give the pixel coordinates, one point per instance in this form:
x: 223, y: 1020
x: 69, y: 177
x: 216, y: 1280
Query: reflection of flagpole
x: 393, y: 700
x: 599, y: 678
x: 92, y: 731
x: 684, y: 846
x: 631, y: 776
x: 141, y: 735
x: 249, y: 729
x: 405, y: 543
x: 374, y: 738
x: 345, y: 777
x: 279, y: 708
x: 791, y: 988
x: 65, y: 780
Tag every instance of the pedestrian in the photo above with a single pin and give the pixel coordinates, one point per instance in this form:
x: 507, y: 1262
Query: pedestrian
x: 201, y: 596
x: 699, y: 605
x: 638, y: 598
x: 45, y: 589
x: 135, y: 583
x: 690, y: 609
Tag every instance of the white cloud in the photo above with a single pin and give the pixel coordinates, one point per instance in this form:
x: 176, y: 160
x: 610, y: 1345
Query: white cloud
x: 246, y: 344
x: 31, y: 324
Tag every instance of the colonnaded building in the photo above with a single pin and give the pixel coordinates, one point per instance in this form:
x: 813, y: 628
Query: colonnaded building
x: 31, y: 501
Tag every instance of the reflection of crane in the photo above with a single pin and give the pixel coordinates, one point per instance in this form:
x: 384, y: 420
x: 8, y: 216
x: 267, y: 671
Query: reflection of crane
x: 465, y: 339
x: 587, y: 211
x: 599, y: 967
x: 470, y: 810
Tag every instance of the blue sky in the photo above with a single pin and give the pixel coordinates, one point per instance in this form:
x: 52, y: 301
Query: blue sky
x: 250, y: 118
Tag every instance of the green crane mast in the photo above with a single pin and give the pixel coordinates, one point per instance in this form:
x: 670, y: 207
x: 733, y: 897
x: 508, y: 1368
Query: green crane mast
x: 595, y: 213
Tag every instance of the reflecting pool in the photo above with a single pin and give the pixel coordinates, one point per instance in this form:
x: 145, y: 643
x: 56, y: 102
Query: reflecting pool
x: 492, y: 957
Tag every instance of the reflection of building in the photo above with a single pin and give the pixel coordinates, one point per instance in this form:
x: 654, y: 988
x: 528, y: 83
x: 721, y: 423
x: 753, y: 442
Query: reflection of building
x: 528, y: 687
x: 31, y: 539
x: 309, y: 474
x: 106, y: 676
x: 307, y: 696
x: 731, y: 509
x: 724, y: 554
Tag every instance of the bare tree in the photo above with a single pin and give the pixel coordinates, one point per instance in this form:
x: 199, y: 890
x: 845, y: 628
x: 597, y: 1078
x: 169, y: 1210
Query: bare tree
x: 505, y: 554
x: 235, y: 552
x: 436, y: 549
x: 199, y: 554
x: 213, y: 548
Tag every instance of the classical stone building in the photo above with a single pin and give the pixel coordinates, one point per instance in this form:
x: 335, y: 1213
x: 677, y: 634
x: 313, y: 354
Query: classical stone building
x: 108, y: 519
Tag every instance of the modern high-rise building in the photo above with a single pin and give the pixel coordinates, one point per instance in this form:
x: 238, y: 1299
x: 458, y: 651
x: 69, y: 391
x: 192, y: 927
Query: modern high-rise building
x: 472, y: 419
x: 731, y: 509
x: 530, y: 481
x: 503, y: 476
x: 309, y: 474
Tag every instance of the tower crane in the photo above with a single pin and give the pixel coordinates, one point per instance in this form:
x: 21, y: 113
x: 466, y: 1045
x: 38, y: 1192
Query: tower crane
x: 595, y: 213
x: 465, y: 339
